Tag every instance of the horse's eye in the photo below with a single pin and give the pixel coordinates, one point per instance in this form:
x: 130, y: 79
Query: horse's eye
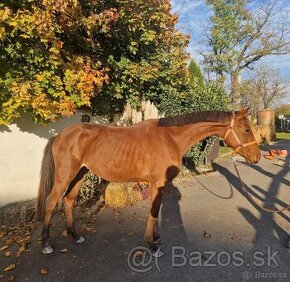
x: 247, y: 130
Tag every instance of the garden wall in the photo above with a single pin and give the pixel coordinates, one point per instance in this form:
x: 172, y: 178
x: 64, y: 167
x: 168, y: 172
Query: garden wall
x: 21, y: 151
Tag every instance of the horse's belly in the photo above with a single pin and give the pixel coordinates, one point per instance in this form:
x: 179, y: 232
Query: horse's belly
x: 123, y: 169
x: 119, y: 175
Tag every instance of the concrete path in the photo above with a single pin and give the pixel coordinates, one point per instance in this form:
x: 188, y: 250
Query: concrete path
x: 211, y: 232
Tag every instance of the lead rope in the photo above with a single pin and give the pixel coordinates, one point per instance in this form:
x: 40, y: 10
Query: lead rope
x: 247, y: 190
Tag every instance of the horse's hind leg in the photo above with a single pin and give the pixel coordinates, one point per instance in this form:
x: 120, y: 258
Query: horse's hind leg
x: 62, y: 179
x: 51, y: 201
x: 69, y: 201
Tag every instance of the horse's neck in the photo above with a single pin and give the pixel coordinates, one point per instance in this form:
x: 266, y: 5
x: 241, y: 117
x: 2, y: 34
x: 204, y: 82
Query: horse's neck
x: 188, y: 135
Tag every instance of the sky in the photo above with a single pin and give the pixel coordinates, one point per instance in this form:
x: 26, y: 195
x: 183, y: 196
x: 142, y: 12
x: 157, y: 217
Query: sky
x: 194, y: 14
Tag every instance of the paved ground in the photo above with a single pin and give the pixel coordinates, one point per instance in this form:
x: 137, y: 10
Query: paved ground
x: 211, y: 232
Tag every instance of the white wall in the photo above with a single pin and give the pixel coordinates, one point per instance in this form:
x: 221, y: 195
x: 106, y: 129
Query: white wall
x: 21, y: 151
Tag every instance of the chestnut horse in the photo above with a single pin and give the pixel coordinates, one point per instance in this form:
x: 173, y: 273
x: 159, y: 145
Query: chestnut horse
x: 149, y: 151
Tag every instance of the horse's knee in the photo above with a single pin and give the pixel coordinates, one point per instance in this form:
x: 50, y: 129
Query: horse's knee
x: 68, y: 203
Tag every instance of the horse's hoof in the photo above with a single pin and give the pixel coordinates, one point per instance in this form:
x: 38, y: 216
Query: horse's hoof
x: 47, y: 249
x: 158, y: 241
x: 80, y: 240
x: 157, y: 253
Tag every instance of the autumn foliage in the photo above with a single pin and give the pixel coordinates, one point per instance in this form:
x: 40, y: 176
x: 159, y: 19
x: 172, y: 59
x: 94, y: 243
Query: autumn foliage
x: 60, y: 55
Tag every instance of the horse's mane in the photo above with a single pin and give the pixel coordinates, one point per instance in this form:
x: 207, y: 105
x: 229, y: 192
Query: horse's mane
x: 201, y: 116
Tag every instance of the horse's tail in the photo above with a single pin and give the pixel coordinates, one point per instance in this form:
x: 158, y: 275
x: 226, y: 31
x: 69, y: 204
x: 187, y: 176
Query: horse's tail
x: 46, y: 179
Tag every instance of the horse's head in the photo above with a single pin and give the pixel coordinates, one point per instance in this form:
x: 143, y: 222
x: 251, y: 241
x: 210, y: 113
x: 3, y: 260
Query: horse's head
x: 240, y: 137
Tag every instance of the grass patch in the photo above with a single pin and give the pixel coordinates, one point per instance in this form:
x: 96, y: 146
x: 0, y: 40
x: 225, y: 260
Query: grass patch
x: 282, y: 135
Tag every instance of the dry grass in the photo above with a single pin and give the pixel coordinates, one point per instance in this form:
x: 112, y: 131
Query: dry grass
x: 262, y: 133
x: 120, y: 195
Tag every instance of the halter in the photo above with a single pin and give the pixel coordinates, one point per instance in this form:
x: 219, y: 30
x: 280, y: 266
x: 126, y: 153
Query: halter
x: 232, y: 130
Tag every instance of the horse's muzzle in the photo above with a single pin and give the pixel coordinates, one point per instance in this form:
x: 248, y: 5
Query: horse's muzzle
x: 254, y: 159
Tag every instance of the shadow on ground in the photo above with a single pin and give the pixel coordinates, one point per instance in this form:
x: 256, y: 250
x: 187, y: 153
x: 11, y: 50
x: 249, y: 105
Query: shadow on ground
x: 203, y: 236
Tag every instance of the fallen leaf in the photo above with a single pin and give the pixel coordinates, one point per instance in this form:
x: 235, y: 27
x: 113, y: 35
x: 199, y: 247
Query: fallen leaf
x: 141, y: 218
x: 8, y: 254
x: 116, y: 213
x: 10, y: 267
x: 21, y: 250
x: 206, y: 235
x: 65, y: 250
x: 10, y: 241
x: 43, y: 271
x: 131, y: 233
x: 11, y: 278
x: 1, y: 275
x: 64, y: 233
x: 2, y: 234
x: 3, y: 248
x: 90, y: 229
x: 25, y: 239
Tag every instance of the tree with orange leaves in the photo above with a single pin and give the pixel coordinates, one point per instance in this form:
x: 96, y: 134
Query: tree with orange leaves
x: 60, y: 55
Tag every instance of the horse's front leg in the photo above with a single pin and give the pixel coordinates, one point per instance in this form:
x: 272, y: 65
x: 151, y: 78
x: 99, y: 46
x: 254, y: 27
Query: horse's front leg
x: 151, y: 237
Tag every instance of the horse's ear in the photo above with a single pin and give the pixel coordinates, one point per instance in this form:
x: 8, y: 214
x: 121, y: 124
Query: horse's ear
x: 243, y: 112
